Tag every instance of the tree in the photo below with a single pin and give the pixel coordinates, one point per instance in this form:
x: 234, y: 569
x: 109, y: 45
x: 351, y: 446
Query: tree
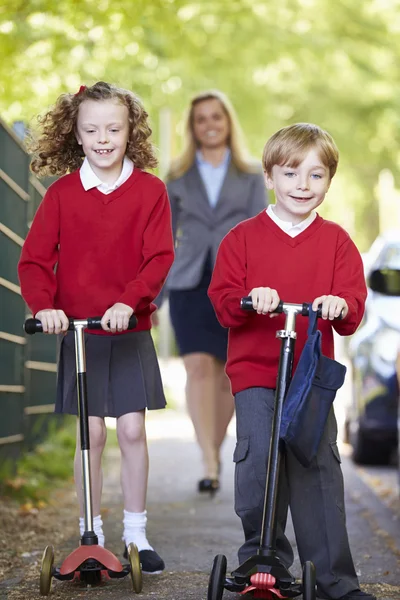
x: 297, y: 60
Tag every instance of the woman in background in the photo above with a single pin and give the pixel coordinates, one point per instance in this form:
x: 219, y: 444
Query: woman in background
x: 212, y: 186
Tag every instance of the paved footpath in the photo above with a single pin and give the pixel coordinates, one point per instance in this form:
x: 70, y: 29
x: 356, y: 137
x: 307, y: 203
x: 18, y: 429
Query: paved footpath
x: 188, y: 530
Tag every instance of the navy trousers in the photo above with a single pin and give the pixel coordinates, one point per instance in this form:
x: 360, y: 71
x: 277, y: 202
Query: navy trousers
x: 315, y: 496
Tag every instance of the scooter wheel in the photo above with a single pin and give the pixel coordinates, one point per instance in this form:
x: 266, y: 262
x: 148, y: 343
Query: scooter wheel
x: 217, y: 578
x: 309, y: 581
x: 136, y: 569
x: 46, y: 570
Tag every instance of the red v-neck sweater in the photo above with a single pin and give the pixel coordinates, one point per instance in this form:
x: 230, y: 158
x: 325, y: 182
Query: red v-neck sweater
x: 257, y: 253
x: 108, y: 248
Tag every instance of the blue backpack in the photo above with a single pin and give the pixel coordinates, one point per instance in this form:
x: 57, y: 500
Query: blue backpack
x: 310, y: 396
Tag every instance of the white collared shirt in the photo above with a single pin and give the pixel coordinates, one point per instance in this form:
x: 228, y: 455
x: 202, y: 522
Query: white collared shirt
x: 288, y: 227
x: 90, y: 180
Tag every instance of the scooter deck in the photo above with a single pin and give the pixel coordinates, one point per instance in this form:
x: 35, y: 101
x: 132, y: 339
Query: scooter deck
x: 83, y: 553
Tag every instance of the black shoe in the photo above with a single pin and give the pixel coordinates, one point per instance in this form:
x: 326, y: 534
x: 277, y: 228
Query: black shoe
x: 208, y: 485
x: 356, y: 595
x: 150, y: 561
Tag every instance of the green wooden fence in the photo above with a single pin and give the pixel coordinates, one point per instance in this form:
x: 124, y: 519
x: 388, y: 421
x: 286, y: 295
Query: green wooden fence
x: 27, y: 364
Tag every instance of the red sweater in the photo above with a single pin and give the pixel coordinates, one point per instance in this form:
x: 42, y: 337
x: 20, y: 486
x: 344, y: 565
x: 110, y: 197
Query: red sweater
x: 257, y: 253
x: 108, y: 248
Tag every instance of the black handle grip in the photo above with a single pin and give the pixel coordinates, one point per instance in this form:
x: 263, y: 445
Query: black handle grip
x: 32, y: 326
x: 246, y: 303
x: 95, y: 322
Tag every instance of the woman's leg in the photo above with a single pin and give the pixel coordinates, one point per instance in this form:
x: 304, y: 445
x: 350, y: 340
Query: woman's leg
x: 98, y: 437
x: 224, y: 403
x: 200, y: 398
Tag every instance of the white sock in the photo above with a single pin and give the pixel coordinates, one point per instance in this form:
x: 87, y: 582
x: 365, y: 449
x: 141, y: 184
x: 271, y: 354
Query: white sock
x: 135, y: 530
x: 97, y: 526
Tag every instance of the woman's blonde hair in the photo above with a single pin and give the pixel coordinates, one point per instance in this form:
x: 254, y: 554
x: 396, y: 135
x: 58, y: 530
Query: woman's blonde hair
x: 289, y: 145
x: 54, y: 147
x: 239, y: 154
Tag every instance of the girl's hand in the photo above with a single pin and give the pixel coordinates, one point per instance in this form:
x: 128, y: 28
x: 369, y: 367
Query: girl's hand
x: 118, y: 316
x: 332, y: 306
x: 265, y: 300
x: 53, y: 321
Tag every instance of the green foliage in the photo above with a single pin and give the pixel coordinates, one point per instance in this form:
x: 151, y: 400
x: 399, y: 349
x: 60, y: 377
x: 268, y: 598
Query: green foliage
x: 333, y: 63
x: 48, y: 466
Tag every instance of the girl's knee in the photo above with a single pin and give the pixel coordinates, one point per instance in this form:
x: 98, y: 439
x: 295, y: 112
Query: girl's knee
x: 97, y: 433
x: 131, y: 431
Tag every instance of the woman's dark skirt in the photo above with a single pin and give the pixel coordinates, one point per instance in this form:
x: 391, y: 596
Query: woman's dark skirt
x: 193, y: 318
x: 123, y: 374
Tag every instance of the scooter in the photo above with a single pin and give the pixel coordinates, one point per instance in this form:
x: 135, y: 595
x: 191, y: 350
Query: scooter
x: 89, y: 563
x: 264, y: 575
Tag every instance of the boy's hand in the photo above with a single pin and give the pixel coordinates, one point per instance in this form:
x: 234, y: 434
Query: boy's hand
x: 53, y: 321
x: 265, y: 300
x: 118, y: 315
x: 332, y: 306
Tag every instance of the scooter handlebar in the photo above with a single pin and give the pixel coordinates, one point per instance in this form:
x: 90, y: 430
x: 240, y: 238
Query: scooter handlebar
x: 32, y: 326
x: 246, y: 303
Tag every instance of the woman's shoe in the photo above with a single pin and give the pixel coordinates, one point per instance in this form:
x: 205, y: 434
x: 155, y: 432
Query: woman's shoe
x: 208, y: 485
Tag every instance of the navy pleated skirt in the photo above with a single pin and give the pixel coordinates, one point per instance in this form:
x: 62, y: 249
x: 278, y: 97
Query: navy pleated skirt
x: 123, y: 374
x: 193, y: 318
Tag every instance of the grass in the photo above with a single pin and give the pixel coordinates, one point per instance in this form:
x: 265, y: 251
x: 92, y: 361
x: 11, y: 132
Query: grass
x: 37, y: 472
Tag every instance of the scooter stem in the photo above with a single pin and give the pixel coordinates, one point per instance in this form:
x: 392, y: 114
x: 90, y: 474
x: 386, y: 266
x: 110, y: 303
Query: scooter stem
x: 269, y: 522
x: 84, y: 423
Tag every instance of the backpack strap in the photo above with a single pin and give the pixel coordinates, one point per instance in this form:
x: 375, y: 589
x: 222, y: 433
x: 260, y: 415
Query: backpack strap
x: 312, y: 321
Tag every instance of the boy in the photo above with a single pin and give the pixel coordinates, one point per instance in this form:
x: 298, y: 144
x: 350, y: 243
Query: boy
x: 289, y: 252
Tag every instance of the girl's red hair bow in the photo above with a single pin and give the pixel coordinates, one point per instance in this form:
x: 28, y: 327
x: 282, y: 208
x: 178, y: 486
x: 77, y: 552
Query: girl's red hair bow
x: 81, y: 89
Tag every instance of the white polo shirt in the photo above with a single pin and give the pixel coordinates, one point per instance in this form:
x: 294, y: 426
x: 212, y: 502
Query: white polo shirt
x: 287, y: 226
x: 90, y: 180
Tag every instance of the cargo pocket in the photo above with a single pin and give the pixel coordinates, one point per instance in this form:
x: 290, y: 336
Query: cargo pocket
x: 335, y: 450
x: 337, y: 479
x: 247, y: 488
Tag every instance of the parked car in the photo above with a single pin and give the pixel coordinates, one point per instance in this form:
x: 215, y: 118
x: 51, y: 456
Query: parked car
x: 371, y: 422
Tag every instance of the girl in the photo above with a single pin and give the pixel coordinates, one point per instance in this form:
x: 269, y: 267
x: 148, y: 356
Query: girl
x: 212, y: 186
x: 107, y: 227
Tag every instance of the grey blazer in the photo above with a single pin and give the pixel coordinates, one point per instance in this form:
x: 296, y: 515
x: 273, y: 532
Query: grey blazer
x: 199, y: 228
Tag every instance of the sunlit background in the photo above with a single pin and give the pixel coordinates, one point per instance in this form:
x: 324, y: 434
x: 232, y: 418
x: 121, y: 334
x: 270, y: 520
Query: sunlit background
x: 332, y: 63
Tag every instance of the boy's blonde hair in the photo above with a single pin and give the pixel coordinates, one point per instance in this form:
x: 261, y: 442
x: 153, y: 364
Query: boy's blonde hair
x: 239, y: 153
x: 289, y: 145
x: 54, y: 147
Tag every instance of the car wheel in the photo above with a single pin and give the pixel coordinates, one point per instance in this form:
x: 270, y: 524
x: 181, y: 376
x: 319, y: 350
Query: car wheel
x: 368, y: 452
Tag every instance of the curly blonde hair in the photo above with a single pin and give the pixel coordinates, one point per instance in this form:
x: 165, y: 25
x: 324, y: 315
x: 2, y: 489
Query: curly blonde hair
x: 54, y: 147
